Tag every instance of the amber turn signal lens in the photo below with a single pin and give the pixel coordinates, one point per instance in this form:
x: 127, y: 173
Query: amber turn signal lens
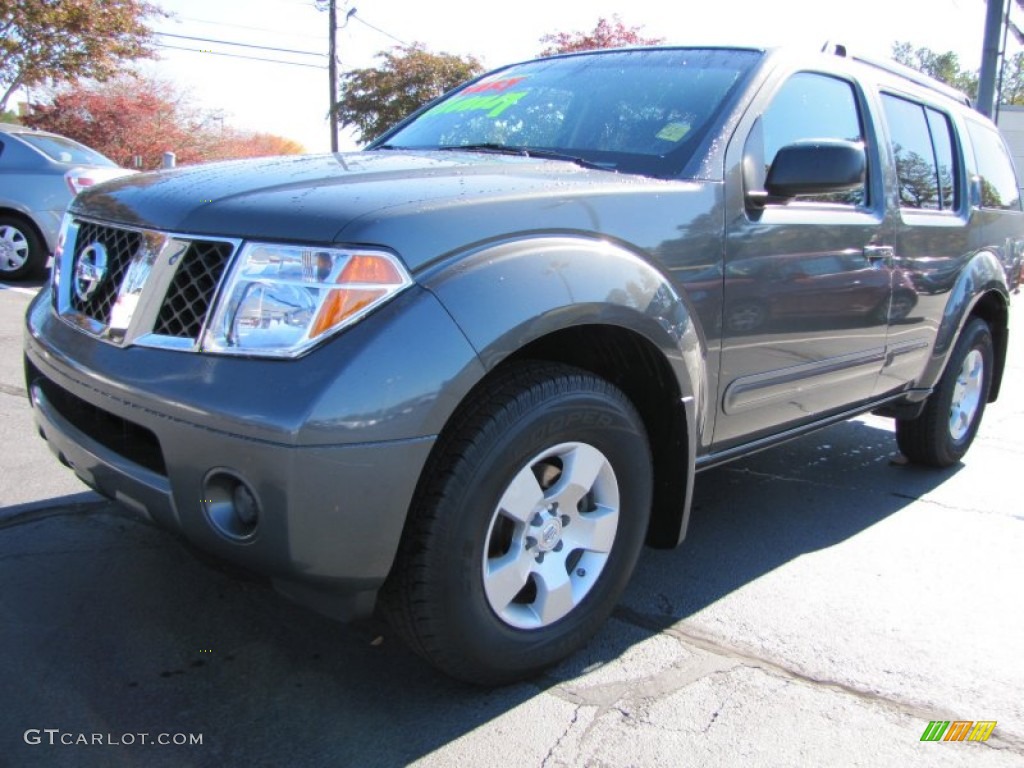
x: 356, y: 290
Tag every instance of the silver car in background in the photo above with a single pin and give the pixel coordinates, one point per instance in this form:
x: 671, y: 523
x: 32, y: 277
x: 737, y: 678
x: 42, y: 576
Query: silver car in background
x: 40, y: 173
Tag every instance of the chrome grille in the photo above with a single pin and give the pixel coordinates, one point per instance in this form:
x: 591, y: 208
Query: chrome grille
x: 131, y: 286
x: 187, y: 302
x: 121, y: 245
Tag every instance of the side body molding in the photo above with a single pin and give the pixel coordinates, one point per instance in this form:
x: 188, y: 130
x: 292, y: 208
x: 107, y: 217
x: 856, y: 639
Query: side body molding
x: 507, y: 295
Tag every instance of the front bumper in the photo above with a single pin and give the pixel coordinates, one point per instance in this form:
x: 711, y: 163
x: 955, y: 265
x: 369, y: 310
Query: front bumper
x: 158, y: 431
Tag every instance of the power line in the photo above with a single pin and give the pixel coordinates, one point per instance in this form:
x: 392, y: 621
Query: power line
x: 240, y: 56
x: 241, y: 45
x: 255, y: 29
x: 377, y: 29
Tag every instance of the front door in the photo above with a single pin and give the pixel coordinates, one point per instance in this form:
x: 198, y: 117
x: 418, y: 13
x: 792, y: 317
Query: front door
x: 808, y: 283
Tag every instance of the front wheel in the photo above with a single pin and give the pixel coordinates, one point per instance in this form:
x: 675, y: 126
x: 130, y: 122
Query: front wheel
x: 526, y: 528
x: 941, y: 435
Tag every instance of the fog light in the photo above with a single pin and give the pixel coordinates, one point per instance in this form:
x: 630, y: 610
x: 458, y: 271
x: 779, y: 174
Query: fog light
x: 245, y: 505
x: 230, y: 505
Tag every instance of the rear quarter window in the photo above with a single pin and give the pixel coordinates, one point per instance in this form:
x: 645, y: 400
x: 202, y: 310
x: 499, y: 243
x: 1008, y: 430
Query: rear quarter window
x: 998, y: 178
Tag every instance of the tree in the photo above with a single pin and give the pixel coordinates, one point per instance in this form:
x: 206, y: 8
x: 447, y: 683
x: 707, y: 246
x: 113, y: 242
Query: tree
x: 607, y: 34
x: 236, y: 144
x: 1012, y: 81
x: 941, y: 66
x: 133, y: 116
x: 63, y: 40
x: 372, y: 100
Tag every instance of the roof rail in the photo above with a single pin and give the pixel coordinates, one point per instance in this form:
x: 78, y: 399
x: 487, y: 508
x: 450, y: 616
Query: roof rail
x: 900, y: 70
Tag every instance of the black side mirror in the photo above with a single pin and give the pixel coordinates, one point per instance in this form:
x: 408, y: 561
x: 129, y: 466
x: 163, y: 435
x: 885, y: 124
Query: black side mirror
x: 816, y: 167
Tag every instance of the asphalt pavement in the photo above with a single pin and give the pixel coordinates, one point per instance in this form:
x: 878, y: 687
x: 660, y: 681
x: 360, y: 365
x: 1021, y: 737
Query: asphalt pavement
x: 827, y: 605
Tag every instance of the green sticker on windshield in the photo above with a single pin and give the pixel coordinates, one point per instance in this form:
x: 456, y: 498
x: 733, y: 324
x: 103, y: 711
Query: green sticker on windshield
x: 493, y: 105
x: 674, y: 131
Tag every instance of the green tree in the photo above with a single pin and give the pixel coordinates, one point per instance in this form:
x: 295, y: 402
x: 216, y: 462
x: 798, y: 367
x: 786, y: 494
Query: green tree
x: 941, y: 66
x: 63, y: 40
x: 372, y: 100
x: 606, y: 34
x: 1012, y: 90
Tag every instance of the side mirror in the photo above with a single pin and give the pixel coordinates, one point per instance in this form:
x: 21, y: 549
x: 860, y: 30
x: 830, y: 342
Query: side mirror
x: 816, y: 167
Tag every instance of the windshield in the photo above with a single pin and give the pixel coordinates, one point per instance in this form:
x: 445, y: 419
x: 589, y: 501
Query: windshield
x: 62, y: 150
x: 637, y: 111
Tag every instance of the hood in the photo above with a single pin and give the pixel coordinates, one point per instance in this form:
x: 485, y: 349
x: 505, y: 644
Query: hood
x: 357, y: 197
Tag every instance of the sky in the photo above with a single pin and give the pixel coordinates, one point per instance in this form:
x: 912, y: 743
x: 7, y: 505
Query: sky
x: 291, y: 101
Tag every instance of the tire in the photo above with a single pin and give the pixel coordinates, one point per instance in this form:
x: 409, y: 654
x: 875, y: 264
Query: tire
x: 942, y: 433
x: 500, y: 572
x: 22, y: 251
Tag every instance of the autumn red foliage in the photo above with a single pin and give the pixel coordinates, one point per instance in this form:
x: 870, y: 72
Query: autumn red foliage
x: 607, y: 34
x: 138, y: 117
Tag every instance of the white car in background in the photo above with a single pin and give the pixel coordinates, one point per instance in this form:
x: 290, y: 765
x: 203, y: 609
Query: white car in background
x: 40, y: 173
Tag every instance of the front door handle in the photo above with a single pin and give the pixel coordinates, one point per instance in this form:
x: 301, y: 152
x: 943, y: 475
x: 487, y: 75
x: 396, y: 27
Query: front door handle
x: 877, y: 255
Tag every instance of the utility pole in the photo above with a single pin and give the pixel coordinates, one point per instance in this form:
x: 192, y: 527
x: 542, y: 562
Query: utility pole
x: 990, y: 57
x: 332, y: 70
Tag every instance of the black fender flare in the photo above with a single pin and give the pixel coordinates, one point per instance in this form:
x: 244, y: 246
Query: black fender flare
x: 981, y: 277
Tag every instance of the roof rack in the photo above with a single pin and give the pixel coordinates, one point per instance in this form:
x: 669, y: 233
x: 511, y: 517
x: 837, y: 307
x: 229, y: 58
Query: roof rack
x: 900, y: 70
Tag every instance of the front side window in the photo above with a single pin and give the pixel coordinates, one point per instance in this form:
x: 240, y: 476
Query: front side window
x: 814, y: 106
x: 630, y: 111
x: 998, y: 180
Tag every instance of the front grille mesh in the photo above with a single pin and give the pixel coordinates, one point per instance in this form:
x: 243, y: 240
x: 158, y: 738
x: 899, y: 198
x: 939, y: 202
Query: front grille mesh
x: 185, y: 304
x: 121, y: 245
x: 188, y: 299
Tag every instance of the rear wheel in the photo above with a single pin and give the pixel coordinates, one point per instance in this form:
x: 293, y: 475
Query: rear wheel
x: 941, y: 435
x: 22, y: 252
x: 527, y: 527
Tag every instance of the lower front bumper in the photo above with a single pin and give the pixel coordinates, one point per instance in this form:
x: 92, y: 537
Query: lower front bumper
x: 329, y: 517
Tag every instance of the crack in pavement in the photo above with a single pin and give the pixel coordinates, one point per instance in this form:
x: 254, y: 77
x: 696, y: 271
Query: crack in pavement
x: 950, y: 507
x: 77, y: 509
x: 19, y: 392
x: 560, y: 739
x: 771, y: 476
x: 914, y: 709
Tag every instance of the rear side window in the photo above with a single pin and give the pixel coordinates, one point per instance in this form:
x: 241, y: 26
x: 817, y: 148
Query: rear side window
x: 998, y: 180
x: 923, y: 146
x: 813, y: 106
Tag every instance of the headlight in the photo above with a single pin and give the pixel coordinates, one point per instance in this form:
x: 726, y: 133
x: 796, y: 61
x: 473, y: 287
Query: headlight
x: 279, y: 300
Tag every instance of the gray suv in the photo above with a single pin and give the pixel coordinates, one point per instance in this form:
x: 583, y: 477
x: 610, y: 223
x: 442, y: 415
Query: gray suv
x: 464, y: 375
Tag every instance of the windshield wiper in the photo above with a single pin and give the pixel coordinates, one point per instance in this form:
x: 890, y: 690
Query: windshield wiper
x: 485, y: 147
x: 543, y: 154
x: 549, y: 154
